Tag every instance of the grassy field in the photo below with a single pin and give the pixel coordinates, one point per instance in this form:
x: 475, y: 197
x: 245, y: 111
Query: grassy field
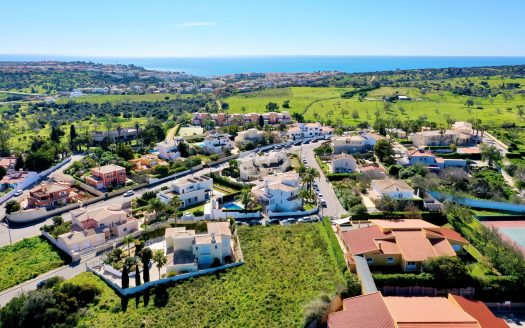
x: 99, y: 99
x: 436, y: 106
x: 287, y: 269
x: 25, y: 260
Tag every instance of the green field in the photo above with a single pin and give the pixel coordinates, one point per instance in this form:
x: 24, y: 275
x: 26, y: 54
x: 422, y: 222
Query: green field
x: 435, y: 106
x: 99, y: 99
x: 26, y: 260
x: 286, y: 271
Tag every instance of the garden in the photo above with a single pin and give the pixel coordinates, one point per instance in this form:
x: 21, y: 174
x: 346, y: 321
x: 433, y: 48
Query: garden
x: 290, y: 276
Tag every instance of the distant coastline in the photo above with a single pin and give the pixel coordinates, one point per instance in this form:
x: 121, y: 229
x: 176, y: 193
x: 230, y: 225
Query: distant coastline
x: 208, y: 67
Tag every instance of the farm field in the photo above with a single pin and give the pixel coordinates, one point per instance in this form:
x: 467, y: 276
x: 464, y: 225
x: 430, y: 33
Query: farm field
x: 27, y: 259
x: 287, y: 270
x: 435, y: 106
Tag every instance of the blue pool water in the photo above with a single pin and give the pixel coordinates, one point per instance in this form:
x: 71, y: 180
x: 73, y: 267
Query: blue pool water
x: 232, y: 206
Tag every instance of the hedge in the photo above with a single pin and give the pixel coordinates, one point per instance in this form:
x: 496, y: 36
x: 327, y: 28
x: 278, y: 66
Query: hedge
x: 404, y: 279
x: 432, y: 217
x: 342, y: 176
x: 227, y: 182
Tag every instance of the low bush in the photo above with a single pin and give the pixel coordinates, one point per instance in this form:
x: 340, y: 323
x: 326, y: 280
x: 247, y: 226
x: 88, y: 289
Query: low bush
x: 404, y: 279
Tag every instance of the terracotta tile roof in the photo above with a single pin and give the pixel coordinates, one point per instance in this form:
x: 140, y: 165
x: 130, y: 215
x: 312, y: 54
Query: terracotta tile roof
x: 362, y: 240
x: 108, y: 168
x: 427, y: 312
x: 89, y: 224
x: 414, y: 245
x: 405, y: 224
x: 442, y: 247
x: 449, y: 234
x: 419, y: 153
x: 358, y: 313
x: 388, y: 246
x: 468, y: 150
x: 391, y: 185
x: 479, y: 311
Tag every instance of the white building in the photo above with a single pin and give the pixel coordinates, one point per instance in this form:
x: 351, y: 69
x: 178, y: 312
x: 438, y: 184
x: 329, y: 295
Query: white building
x: 114, y: 135
x: 343, y: 163
x: 308, y: 130
x: 396, y: 189
x: 461, y: 133
x: 252, y: 135
x: 217, y: 143
x: 348, y: 144
x: 431, y: 161
x: 371, y: 138
x: 169, y: 150
x: 190, y: 190
x: 257, y: 166
x: 192, y: 251
x: 279, y: 193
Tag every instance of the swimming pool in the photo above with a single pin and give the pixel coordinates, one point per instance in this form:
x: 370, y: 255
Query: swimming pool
x: 232, y: 206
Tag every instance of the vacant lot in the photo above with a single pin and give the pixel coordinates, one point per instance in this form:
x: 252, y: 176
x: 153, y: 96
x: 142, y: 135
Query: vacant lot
x: 286, y: 270
x: 25, y: 260
x: 434, y: 106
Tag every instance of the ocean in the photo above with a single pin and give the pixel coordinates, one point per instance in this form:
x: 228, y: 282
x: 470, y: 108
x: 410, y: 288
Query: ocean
x: 215, y: 66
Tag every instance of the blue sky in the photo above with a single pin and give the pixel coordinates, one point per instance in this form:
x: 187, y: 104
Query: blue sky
x: 206, y: 28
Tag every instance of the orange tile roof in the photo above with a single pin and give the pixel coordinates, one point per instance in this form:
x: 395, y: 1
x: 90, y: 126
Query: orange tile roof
x: 442, y: 247
x: 427, y: 312
x: 479, y: 311
x: 449, y: 234
x: 358, y: 313
x: 414, y: 245
x: 362, y: 240
x: 403, y: 224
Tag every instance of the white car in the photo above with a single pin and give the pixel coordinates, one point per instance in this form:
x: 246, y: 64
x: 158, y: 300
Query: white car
x: 18, y: 193
x: 128, y: 193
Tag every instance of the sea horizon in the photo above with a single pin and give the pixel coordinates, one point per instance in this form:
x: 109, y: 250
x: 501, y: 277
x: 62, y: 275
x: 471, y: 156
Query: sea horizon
x: 224, y: 65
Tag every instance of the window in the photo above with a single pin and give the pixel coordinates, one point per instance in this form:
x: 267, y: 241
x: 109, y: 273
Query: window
x: 369, y: 260
x: 197, y: 248
x: 215, y: 246
x: 456, y: 248
x: 390, y: 260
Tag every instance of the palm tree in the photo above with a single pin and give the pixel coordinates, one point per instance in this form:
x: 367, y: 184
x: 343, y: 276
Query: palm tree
x: 175, y: 203
x: 128, y: 240
x: 309, y: 176
x: 156, y: 206
x: 245, y: 197
x: 303, y: 194
x: 160, y: 259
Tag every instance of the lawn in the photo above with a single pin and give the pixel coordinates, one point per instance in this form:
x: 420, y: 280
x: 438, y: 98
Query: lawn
x: 435, y: 106
x: 27, y: 259
x: 287, y: 270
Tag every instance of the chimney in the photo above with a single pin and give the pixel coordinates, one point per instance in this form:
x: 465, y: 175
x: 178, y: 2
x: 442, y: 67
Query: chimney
x: 379, y: 244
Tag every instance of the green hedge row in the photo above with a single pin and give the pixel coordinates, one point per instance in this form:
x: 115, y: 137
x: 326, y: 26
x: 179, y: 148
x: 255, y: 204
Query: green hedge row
x: 404, y: 279
x: 342, y: 176
x: 226, y: 182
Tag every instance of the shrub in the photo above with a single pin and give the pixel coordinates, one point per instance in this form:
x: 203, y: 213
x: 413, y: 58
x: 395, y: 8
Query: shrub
x: 404, y: 279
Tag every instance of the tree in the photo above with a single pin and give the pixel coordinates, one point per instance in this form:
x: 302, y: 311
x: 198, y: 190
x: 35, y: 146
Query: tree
x: 145, y: 257
x: 12, y: 206
x: 384, y: 151
x: 387, y: 204
x: 20, y: 162
x: 4, y: 140
x: 308, y: 177
x: 490, y: 153
x: 137, y: 272
x: 261, y: 121
x: 286, y: 104
x: 159, y: 259
x: 521, y: 112
x: 175, y: 203
x: 128, y: 240
x: 3, y: 172
x: 272, y: 107
x: 56, y: 133
x: 469, y: 102
x: 156, y: 206
x: 245, y: 197
x: 448, y: 271
x: 344, y: 112
x: 72, y: 136
x: 243, y: 110
x: 125, y: 276
x: 355, y: 115
x: 304, y: 195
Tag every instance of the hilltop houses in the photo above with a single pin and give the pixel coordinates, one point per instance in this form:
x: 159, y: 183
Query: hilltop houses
x: 50, y: 195
x: 190, y: 190
x: 431, y: 161
x: 123, y: 134
x: 257, y: 166
x: 405, y: 243
x: 343, y: 163
x: 147, y: 163
x: 107, y: 176
x: 251, y: 135
x: 348, y: 144
x: 279, y: 193
x: 221, y: 119
x: 192, y: 251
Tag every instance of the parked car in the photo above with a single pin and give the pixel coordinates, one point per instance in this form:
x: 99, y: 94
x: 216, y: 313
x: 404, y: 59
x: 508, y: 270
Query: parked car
x: 240, y: 223
x: 128, y: 193
x: 255, y: 222
x: 274, y: 221
x: 18, y: 193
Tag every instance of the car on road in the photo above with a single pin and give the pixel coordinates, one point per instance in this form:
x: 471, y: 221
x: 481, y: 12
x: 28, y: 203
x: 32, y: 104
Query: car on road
x: 128, y: 193
x: 306, y: 142
x: 320, y: 196
x: 323, y: 202
x: 18, y: 193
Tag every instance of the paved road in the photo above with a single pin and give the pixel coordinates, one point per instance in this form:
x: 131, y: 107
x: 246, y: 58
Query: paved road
x: 334, y: 207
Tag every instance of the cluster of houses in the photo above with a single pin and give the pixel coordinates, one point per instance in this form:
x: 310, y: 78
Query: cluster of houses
x: 222, y: 119
x: 13, y: 178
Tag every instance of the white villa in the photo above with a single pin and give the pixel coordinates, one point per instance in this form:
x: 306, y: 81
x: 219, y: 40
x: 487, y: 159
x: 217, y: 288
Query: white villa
x: 124, y: 134
x: 191, y: 250
x: 190, y: 190
x: 343, y: 163
x: 246, y: 136
x: 169, y: 150
x: 92, y: 228
x: 308, y: 130
x: 348, y: 144
x: 371, y: 138
x: 257, y: 166
x: 396, y: 189
x: 279, y: 193
x: 217, y: 143
x: 431, y: 161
